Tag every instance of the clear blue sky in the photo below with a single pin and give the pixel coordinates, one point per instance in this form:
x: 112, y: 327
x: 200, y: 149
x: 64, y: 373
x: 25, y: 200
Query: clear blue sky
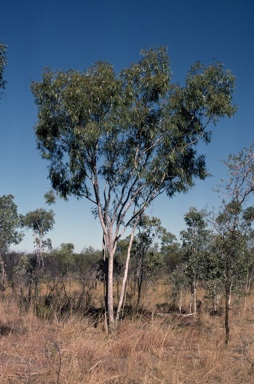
x: 67, y: 34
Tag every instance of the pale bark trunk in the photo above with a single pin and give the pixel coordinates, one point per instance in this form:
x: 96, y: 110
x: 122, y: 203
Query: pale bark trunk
x: 195, y: 297
x: 110, y: 293
x: 123, y: 290
x: 227, y: 299
x: 180, y: 301
x: 248, y: 280
x: 40, y: 252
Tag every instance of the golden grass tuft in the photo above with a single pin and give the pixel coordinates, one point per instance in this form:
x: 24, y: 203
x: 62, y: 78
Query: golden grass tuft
x: 169, y: 350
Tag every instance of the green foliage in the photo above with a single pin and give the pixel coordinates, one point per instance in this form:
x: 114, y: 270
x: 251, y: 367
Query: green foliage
x: 49, y: 197
x: 170, y: 249
x: 60, y: 261
x: 233, y: 224
x: 120, y: 140
x: 64, y: 262
x: 9, y: 223
x: 178, y: 281
x: 9, y: 233
x: 195, y: 244
x: 134, y: 130
x: 145, y: 248
x: 40, y: 221
x: 146, y: 260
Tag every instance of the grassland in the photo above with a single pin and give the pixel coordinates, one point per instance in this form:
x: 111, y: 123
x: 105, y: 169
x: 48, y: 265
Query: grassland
x: 154, y: 348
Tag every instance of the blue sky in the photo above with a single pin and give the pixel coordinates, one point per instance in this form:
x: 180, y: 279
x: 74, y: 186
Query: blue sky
x: 65, y: 34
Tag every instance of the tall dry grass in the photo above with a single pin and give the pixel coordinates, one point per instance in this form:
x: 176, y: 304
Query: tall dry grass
x: 166, y: 349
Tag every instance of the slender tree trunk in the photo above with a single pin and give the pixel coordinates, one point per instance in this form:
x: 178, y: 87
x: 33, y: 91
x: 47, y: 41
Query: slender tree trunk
x: 110, y: 293
x: 140, y: 280
x: 140, y: 284
x: 125, y: 297
x: 246, y: 292
x: 109, y: 249
x: 124, y: 284
x: 105, y: 284
x: 227, y: 302
x: 194, y: 297
x: 230, y: 293
x: 126, y: 270
x: 215, y: 303
x: 2, y: 275
x: 180, y: 301
x: 248, y: 280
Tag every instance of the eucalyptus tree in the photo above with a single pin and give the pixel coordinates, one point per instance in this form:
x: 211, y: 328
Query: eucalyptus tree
x: 195, y: 244
x: 145, y: 250
x: 121, y: 140
x: 40, y: 221
x: 233, y: 224
x: 9, y: 230
x: 3, y: 49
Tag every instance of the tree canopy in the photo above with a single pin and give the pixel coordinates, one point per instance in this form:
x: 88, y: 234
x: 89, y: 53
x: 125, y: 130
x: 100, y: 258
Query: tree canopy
x: 120, y: 140
x: 41, y: 222
x: 135, y: 131
x: 234, y: 222
x: 9, y: 223
x: 9, y: 233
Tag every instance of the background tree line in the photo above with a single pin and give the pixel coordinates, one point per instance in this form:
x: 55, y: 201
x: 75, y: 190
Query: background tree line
x: 212, y: 262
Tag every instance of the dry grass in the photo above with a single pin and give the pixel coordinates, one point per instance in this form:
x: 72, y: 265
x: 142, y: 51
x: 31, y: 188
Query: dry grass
x: 170, y: 349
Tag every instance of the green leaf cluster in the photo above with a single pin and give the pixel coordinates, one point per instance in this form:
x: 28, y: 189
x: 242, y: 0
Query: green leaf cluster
x: 9, y: 223
x: 135, y: 131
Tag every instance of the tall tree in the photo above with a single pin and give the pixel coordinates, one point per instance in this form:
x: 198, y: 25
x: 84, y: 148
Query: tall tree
x: 3, y: 49
x: 9, y: 233
x: 41, y: 222
x: 121, y: 140
x: 233, y: 223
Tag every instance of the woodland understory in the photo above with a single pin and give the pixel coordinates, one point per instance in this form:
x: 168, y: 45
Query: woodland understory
x: 43, y: 344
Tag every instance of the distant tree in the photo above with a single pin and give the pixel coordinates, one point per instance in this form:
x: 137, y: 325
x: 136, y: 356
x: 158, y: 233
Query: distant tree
x: 170, y: 249
x: 60, y: 260
x: 40, y: 221
x: 3, y: 49
x: 88, y: 265
x: 233, y: 224
x: 122, y: 140
x: 248, y: 262
x: 147, y: 257
x: 179, y: 284
x: 9, y: 231
x: 213, y: 274
x: 195, y: 241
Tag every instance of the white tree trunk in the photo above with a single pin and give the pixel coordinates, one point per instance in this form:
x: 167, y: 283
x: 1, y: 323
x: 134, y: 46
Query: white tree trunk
x: 126, y: 270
